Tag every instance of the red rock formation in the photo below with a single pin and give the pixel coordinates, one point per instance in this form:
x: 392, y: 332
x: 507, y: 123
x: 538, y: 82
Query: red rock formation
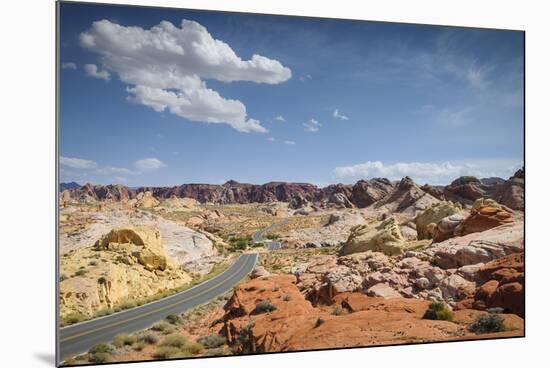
x: 484, y: 218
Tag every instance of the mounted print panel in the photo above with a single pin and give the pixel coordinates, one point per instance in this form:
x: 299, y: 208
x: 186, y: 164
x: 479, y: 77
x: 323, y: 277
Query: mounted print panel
x: 235, y: 184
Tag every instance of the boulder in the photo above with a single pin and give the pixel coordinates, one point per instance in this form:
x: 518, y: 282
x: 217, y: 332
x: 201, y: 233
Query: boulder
x: 383, y: 290
x: 427, y: 220
x: 445, y: 228
x: 150, y: 252
x: 259, y: 271
x: 384, y: 236
x: 340, y: 200
x: 484, y: 215
x: 147, y: 200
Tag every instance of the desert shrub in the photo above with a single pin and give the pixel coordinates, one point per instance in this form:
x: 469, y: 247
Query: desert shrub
x: 276, y: 288
x: 74, y: 318
x: 243, y: 336
x: 319, y: 322
x: 217, y: 352
x: 338, y: 311
x: 102, y: 280
x: 139, y: 346
x: 99, y: 357
x: 101, y: 348
x: 124, y: 340
x: 81, y: 272
x: 62, y: 277
x: 287, y: 298
x: 212, y: 341
x: 163, y: 327
x: 488, y: 323
x: 148, y: 338
x: 265, y: 306
x: 92, y: 263
x: 173, y: 319
x: 167, y: 352
x: 438, y: 311
x: 103, y: 312
x: 177, y: 341
x: 192, y: 348
x: 128, y: 304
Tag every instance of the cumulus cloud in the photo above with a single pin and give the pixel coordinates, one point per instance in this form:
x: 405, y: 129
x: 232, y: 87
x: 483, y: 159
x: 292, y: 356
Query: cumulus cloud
x: 165, y: 67
x: 271, y: 139
x: 68, y: 65
x: 290, y: 143
x: 312, y: 126
x: 336, y: 114
x: 108, y: 170
x: 93, y: 71
x: 149, y: 164
x: 280, y: 118
x: 429, y: 172
x: 77, y: 163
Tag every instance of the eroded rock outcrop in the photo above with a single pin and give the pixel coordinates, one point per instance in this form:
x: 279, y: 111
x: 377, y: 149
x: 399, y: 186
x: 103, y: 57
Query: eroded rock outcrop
x: 426, y: 222
x: 123, y: 266
x: 384, y: 236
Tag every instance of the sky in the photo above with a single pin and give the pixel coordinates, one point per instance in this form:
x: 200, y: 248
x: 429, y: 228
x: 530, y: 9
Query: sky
x: 162, y: 97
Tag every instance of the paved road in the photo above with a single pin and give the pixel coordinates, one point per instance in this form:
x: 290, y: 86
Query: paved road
x: 78, y: 338
x: 259, y: 236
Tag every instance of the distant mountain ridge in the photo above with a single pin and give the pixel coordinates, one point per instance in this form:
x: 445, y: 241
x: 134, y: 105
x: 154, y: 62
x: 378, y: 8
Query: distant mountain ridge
x: 364, y: 193
x: 71, y: 185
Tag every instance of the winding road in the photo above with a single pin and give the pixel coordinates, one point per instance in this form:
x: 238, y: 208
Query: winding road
x: 80, y: 337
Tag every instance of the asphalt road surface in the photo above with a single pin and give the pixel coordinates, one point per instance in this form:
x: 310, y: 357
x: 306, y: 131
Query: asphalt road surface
x: 259, y: 236
x: 80, y: 337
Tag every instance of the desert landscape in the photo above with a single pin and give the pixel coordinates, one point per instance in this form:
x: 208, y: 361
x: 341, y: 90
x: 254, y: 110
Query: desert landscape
x: 378, y: 262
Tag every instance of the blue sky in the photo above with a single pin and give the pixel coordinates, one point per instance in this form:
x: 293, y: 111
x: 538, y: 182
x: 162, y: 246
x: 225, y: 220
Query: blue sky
x: 149, y: 100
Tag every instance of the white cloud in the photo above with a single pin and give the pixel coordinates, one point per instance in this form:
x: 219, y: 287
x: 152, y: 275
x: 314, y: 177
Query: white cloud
x: 337, y: 115
x: 149, y: 164
x: 165, y: 68
x: 312, y: 126
x: 108, y: 170
x: 93, y: 71
x: 290, y: 143
x: 271, y: 139
x: 429, y: 172
x: 69, y: 65
x: 280, y: 118
x: 306, y: 77
x: 77, y: 163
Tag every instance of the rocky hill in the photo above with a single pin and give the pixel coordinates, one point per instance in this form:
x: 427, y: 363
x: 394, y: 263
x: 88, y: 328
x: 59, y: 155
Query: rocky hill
x: 71, y: 185
x: 402, y: 196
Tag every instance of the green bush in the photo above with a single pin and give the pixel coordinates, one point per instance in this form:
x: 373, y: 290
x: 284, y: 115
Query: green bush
x: 92, y: 263
x: 287, y: 298
x: 488, y: 323
x: 265, y: 306
x: 62, y: 277
x: 217, y: 352
x: 212, y: 341
x: 148, y: 338
x: 164, y: 327
x: 101, y: 348
x: 128, y: 304
x: 103, y: 312
x: 167, y: 352
x: 173, y: 319
x: 74, y: 318
x: 124, y: 340
x: 80, y: 272
x: 99, y: 357
x: 192, y: 348
x: 438, y: 311
x: 176, y: 341
x: 139, y: 346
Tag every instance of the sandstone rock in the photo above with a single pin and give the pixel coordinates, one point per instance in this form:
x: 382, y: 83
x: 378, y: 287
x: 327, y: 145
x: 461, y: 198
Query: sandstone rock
x: 340, y: 200
x: 297, y: 202
x: 406, y: 198
x: 485, y: 214
x: 367, y: 192
x: 382, y: 290
x: 445, y: 228
x: 465, y: 189
x: 479, y: 247
x: 427, y: 220
x: 382, y: 237
x: 259, y: 271
x: 512, y: 192
x: 456, y: 288
x: 147, y: 201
